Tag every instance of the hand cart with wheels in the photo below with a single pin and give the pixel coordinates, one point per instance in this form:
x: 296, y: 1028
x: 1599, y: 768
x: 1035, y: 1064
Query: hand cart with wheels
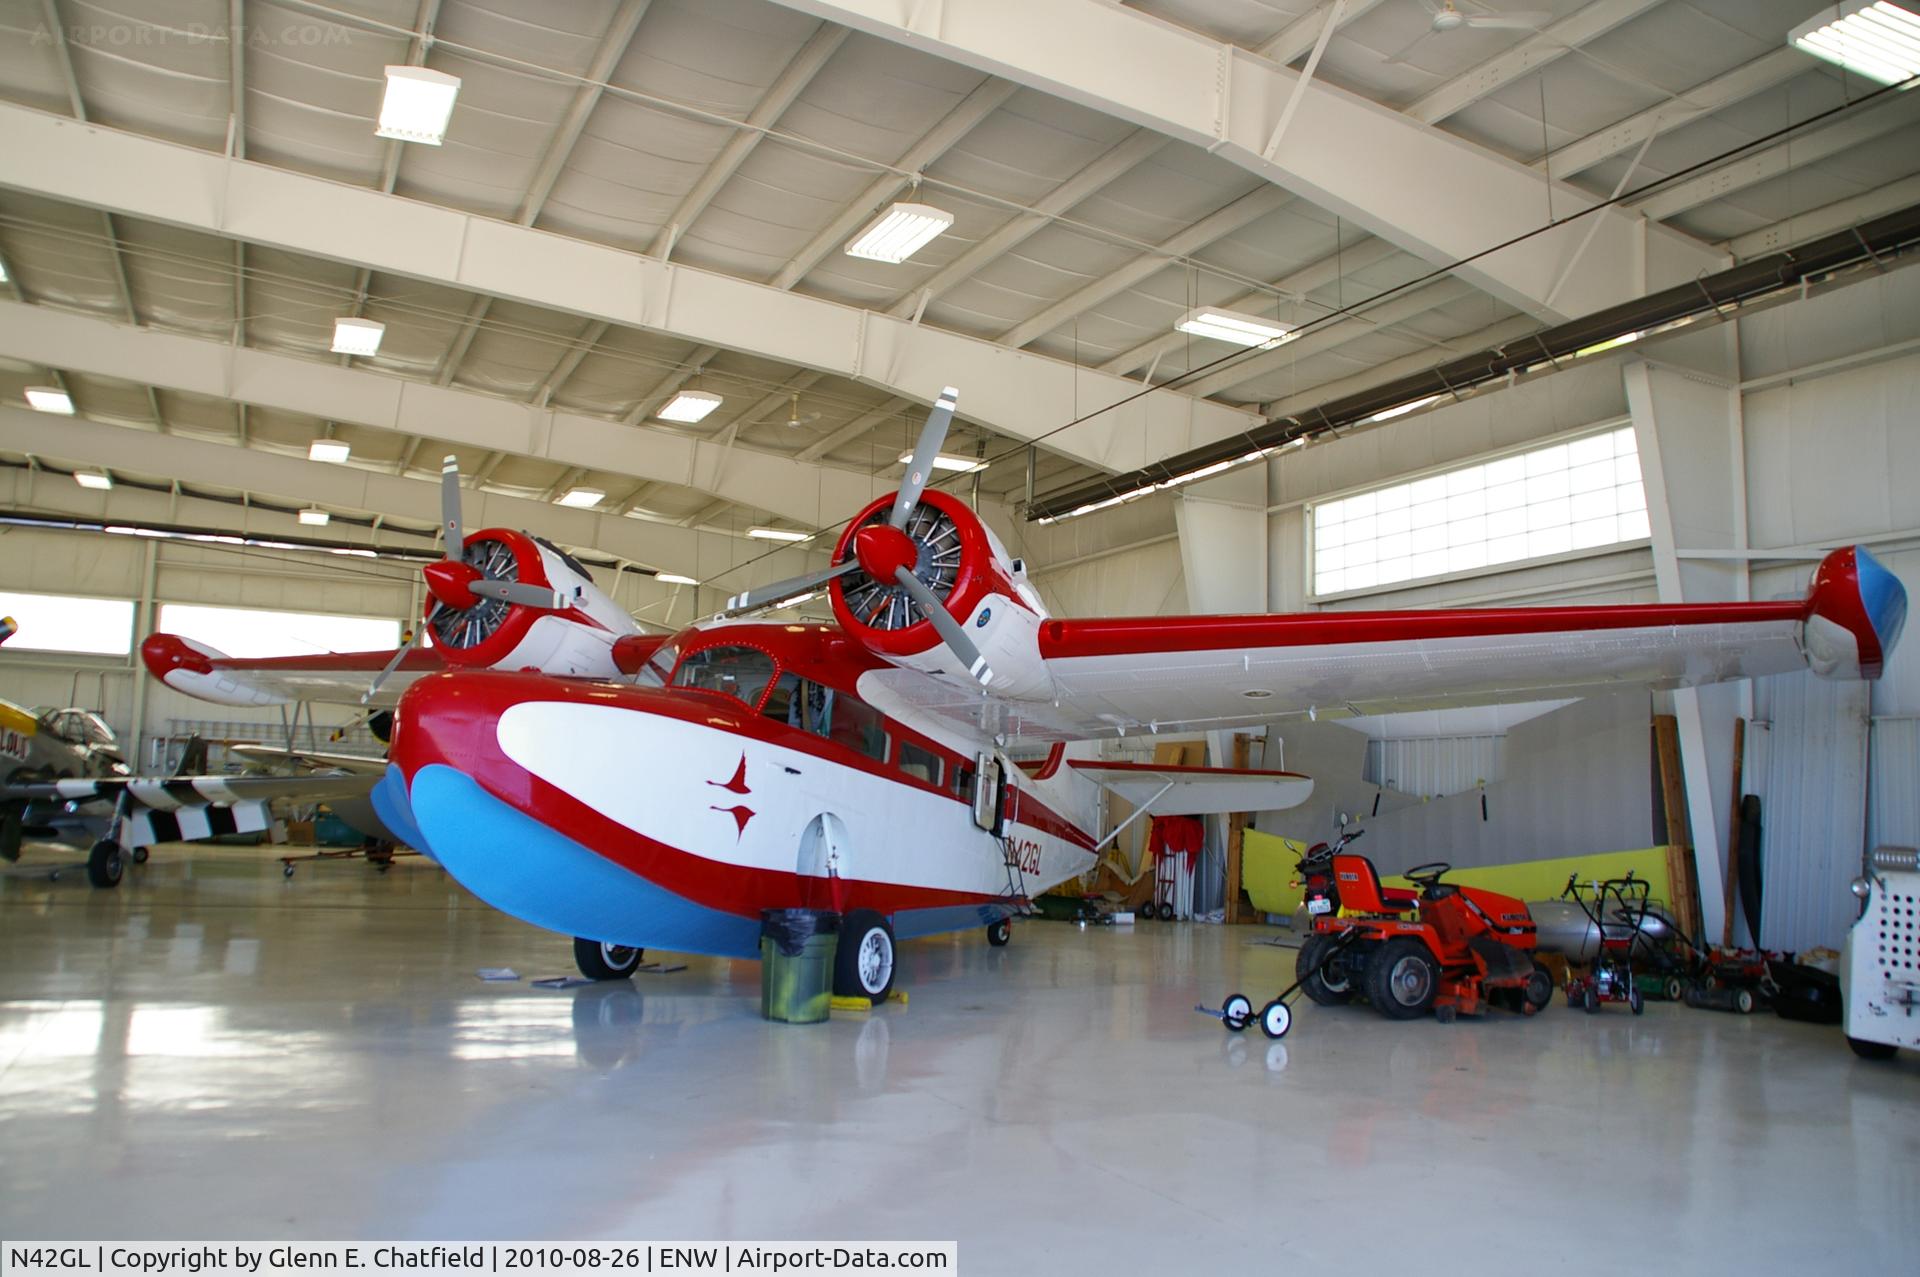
x: 1276, y: 1017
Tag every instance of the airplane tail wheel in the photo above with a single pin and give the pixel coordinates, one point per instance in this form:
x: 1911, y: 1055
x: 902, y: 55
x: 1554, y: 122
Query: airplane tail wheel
x: 140, y: 855
x: 598, y: 960
x: 105, y: 863
x: 863, y: 962
x: 999, y: 933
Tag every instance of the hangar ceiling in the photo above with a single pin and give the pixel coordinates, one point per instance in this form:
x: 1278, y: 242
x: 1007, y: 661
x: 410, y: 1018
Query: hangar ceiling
x: 729, y: 148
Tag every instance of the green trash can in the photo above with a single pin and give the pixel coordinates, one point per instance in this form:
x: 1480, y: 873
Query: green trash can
x: 797, y: 948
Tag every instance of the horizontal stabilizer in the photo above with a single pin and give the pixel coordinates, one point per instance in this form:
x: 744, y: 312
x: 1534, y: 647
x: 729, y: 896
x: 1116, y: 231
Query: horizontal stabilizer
x: 1196, y: 791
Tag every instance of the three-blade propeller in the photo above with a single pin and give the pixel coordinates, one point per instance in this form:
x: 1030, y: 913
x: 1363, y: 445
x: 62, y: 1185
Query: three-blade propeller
x: 455, y: 582
x: 886, y: 553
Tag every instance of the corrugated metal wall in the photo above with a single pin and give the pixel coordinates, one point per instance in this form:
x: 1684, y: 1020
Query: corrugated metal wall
x: 1893, y: 818
x: 1814, y: 807
x: 1434, y: 767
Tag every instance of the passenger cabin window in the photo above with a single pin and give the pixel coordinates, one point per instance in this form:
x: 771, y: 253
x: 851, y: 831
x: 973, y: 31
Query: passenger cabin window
x: 740, y: 672
x: 921, y: 764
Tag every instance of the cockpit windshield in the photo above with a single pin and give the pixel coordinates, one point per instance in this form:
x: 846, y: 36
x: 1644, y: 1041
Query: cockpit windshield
x: 740, y: 672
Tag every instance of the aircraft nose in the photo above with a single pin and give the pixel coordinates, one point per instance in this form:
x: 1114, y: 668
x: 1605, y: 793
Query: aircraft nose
x: 443, y: 718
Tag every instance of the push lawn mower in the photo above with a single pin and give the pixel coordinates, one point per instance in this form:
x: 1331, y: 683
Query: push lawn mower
x: 1463, y: 948
x: 1618, y: 909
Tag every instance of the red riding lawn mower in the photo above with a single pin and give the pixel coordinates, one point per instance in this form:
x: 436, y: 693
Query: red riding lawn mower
x: 1441, y: 947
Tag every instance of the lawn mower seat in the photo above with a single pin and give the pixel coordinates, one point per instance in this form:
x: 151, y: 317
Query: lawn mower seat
x: 1361, y: 892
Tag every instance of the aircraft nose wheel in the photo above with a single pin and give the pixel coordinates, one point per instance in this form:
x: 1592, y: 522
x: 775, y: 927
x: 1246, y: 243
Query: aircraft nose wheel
x: 1276, y: 1018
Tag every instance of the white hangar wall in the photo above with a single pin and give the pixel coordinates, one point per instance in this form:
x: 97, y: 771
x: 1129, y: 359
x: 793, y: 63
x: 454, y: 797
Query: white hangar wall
x: 98, y: 565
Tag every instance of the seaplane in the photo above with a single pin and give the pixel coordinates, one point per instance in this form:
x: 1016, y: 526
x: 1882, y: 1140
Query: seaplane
x: 639, y: 791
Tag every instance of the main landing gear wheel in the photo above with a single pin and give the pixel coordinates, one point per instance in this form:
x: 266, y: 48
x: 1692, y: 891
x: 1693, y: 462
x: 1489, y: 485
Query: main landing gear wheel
x: 1332, y: 984
x: 863, y: 963
x: 105, y: 863
x: 999, y: 933
x: 1276, y: 1018
x: 1237, y: 1012
x: 1402, y: 979
x: 600, y: 961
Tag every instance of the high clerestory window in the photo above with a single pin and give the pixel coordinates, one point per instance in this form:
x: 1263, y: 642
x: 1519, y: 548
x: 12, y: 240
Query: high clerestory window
x: 68, y: 623
x: 1580, y: 494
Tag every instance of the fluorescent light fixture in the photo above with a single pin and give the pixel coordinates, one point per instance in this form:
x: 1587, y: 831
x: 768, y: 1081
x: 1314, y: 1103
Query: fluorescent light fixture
x: 1873, y: 38
x: 778, y: 534
x: 1401, y: 410
x: 314, y: 517
x: 582, y: 498
x: 50, y: 399
x: 98, y: 480
x: 899, y: 233
x: 1233, y: 326
x: 357, y: 336
x: 331, y: 451
x: 944, y: 462
x: 1611, y: 343
x: 690, y: 406
x: 417, y: 105
x: 4, y: 277
x: 798, y: 599
x: 673, y: 578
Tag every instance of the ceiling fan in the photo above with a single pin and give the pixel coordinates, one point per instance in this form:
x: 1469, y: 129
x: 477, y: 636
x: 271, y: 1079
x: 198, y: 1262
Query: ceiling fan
x: 1447, y: 16
x: 794, y: 419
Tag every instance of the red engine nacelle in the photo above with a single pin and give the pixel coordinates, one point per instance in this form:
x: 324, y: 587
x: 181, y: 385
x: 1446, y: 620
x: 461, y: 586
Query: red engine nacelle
x: 957, y: 557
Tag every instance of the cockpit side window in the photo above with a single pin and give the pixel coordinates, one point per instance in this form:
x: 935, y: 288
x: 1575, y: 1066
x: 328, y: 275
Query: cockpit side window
x: 740, y: 672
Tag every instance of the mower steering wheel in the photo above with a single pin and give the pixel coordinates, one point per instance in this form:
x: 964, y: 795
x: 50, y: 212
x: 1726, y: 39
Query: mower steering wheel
x: 1427, y: 875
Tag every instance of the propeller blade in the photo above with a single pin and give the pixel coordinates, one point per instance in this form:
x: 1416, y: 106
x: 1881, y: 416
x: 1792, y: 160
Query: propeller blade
x: 518, y: 592
x: 932, y: 435
x: 413, y: 640
x: 760, y: 596
x: 450, y: 507
x: 949, y: 629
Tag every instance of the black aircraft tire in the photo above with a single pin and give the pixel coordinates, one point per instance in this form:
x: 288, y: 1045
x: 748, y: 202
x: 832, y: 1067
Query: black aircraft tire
x: 105, y: 863
x: 865, y: 960
x: 599, y: 961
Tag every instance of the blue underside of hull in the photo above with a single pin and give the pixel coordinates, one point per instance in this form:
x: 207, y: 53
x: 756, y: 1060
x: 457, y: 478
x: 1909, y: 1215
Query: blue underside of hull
x: 524, y: 868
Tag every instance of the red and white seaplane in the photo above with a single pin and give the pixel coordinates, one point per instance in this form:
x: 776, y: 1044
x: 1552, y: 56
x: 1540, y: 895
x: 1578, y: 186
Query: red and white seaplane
x: 636, y: 792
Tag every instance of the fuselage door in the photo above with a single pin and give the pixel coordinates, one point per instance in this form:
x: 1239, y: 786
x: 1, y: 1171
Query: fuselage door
x: 987, y: 807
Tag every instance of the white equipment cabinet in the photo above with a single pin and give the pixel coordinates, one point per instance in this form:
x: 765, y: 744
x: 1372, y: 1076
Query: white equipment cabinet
x: 1880, y: 968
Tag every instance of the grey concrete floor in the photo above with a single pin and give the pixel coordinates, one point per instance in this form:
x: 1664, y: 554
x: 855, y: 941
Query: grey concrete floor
x: 214, y: 1051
